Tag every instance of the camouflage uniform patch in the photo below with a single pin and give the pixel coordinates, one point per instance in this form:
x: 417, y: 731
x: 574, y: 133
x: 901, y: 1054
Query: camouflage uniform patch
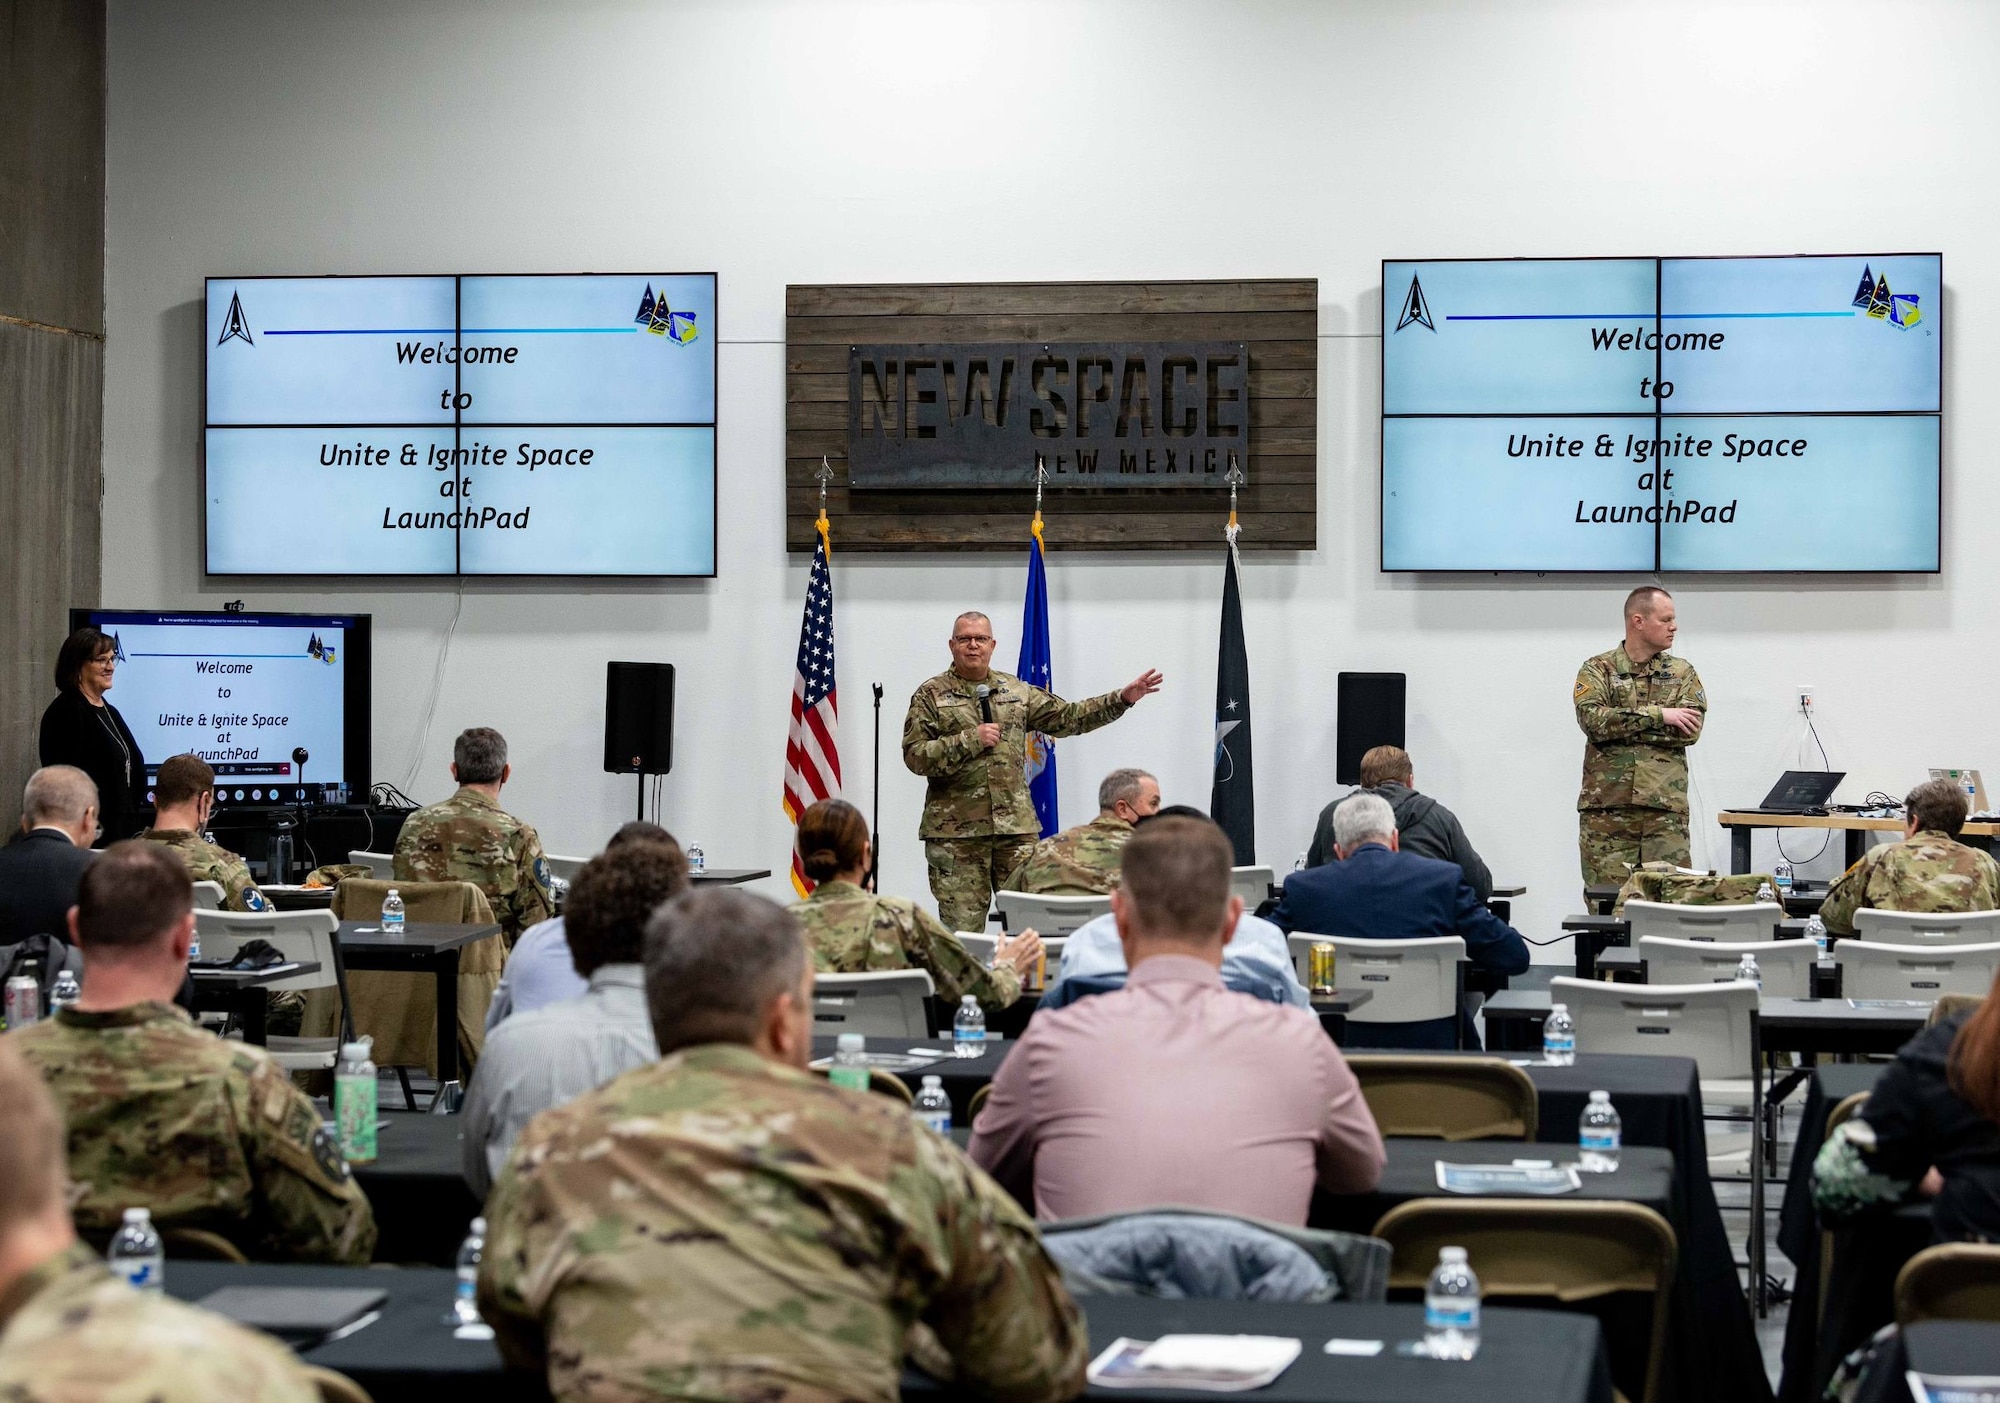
x: 80, y: 1335
x: 851, y: 931
x: 208, y: 863
x: 977, y: 793
x: 470, y: 838
x: 1080, y: 861
x: 1633, y: 805
x: 716, y: 1225
x: 204, y: 1133
x: 1658, y: 881
x: 1925, y: 872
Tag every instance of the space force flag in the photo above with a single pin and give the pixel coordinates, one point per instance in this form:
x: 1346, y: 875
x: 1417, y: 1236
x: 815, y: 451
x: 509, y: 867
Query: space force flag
x: 1034, y: 670
x: 1232, y: 803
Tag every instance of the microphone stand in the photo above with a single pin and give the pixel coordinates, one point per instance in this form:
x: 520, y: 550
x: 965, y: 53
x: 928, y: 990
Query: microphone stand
x: 875, y: 818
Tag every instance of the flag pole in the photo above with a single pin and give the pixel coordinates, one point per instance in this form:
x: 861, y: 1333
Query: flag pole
x: 824, y: 474
x: 1041, y: 481
x: 1234, y: 477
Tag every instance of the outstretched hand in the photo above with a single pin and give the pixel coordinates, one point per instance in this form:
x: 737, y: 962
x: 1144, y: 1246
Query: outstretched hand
x: 1144, y: 685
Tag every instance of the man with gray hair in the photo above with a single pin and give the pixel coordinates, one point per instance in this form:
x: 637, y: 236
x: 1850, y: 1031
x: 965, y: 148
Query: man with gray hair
x: 40, y: 868
x: 470, y: 838
x: 723, y: 1223
x: 1083, y: 861
x: 1377, y: 891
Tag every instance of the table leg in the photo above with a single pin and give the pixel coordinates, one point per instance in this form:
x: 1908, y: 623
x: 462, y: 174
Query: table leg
x: 444, y: 966
x: 251, y: 1007
x: 1857, y: 844
x: 1739, y: 848
x: 1335, y: 1025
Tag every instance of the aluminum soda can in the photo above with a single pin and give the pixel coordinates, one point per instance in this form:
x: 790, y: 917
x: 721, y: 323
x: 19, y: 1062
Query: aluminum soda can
x: 23, y: 1001
x: 1321, y: 967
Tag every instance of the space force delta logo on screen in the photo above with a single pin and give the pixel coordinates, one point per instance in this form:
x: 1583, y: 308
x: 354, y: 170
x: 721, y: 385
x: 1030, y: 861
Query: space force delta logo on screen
x: 1735, y: 414
x: 461, y: 425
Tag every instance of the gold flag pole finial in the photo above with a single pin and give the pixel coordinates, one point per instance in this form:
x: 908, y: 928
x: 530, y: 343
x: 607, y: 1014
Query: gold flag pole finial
x: 1234, y: 477
x: 1041, y: 480
x: 823, y: 475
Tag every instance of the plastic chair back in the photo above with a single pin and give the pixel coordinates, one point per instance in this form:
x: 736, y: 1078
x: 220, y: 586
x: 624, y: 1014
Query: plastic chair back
x: 302, y: 935
x: 1927, y: 927
x: 980, y: 947
x: 1757, y: 921
x: 383, y: 865
x: 1410, y: 981
x: 1872, y: 971
x: 1712, y: 1023
x: 1447, y: 1098
x: 1253, y: 884
x: 208, y: 896
x: 887, y: 1003
x: 1955, y: 1281
x: 1048, y: 915
x: 1786, y: 966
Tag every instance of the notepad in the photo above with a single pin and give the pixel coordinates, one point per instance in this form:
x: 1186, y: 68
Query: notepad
x: 298, y: 1315
x: 1209, y: 1363
x: 1507, y: 1178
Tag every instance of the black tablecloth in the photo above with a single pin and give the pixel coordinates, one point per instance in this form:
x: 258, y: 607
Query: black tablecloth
x: 422, y: 1203
x: 961, y: 1076
x: 1935, y: 1348
x: 1524, y: 1356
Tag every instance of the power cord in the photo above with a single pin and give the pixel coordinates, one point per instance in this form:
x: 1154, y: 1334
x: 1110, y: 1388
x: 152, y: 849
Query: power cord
x: 1778, y: 834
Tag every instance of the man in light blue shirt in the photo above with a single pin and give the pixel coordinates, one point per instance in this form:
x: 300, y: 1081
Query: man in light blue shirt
x: 540, y: 970
x: 553, y: 1054
x: 1256, y: 960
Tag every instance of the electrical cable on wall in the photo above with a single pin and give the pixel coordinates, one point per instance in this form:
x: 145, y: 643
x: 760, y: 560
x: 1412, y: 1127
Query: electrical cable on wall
x: 1778, y: 834
x: 437, y: 686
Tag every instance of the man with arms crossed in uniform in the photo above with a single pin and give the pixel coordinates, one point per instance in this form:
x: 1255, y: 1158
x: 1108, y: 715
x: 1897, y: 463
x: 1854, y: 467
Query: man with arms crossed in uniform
x: 979, y: 822
x: 1640, y: 709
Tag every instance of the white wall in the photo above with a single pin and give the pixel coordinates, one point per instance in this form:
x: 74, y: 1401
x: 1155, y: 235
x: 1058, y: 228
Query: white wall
x: 819, y: 141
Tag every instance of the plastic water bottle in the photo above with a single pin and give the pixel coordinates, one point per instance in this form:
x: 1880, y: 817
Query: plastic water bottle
x: 64, y: 993
x: 968, y: 1030
x: 1451, y: 1307
x: 1816, y: 933
x: 1598, y: 1135
x: 392, y: 913
x: 465, y: 1295
x: 933, y: 1106
x: 355, y: 1104
x: 850, y: 1063
x: 136, y: 1254
x: 194, y: 947
x: 1782, y: 874
x: 697, y: 859
x: 1765, y: 893
x: 1300, y: 864
x: 1746, y: 969
x: 1559, y: 1037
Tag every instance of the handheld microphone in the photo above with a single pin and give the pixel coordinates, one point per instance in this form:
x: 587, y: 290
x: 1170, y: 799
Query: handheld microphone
x: 985, y: 702
x: 299, y: 758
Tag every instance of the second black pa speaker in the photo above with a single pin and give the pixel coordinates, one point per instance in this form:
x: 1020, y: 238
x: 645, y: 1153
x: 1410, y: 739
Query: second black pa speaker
x: 1369, y: 713
x: 638, y: 718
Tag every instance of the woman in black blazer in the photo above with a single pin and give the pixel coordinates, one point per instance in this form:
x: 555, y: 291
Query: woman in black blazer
x: 81, y: 728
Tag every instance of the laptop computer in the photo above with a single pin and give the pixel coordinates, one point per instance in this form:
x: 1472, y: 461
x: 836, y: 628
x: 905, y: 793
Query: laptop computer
x: 1801, y: 792
x: 1970, y: 783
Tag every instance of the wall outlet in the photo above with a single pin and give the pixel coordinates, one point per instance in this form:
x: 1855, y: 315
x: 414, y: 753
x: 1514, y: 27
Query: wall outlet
x: 1805, y: 692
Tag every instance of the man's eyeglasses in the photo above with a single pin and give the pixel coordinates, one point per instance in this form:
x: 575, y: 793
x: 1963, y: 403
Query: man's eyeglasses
x: 968, y: 639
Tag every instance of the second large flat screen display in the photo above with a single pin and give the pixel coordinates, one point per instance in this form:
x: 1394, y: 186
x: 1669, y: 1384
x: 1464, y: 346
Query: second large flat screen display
x: 1662, y: 414
x: 489, y: 425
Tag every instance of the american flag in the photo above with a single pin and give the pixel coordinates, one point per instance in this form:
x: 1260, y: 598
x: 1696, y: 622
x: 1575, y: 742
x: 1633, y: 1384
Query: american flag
x: 812, y: 754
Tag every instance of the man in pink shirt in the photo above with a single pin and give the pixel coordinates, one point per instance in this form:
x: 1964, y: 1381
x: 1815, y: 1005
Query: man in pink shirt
x: 1174, y: 1090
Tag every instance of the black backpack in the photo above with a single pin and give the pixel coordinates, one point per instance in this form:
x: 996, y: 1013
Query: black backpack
x: 44, y: 956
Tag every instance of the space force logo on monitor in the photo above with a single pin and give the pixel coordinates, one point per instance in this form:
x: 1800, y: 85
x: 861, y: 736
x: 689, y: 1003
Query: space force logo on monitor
x: 658, y: 319
x: 236, y: 325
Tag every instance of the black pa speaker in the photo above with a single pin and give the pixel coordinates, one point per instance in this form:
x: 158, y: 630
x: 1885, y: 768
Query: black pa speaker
x: 638, y: 718
x: 1370, y: 713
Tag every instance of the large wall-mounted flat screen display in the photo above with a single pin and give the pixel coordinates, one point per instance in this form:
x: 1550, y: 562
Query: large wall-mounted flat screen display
x: 460, y: 425
x: 1662, y: 414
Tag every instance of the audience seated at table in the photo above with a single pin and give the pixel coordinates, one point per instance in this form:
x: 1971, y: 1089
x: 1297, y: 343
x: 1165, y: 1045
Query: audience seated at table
x: 724, y: 1223
x: 1083, y: 861
x: 184, y: 798
x: 1427, y: 828
x: 1174, y: 1089
x: 470, y: 838
x: 40, y: 868
x: 162, y: 1115
x: 1376, y: 891
x: 539, y: 969
x: 1930, y: 1129
x: 552, y: 1054
x: 69, y: 1329
x: 1256, y: 960
x: 1930, y: 870
x: 850, y: 930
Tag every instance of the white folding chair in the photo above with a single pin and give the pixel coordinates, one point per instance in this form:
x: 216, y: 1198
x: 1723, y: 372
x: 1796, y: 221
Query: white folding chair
x: 885, y: 1003
x: 564, y: 867
x: 1048, y: 915
x: 304, y: 936
x: 1785, y: 966
x: 1869, y: 970
x: 980, y: 947
x: 381, y: 866
x: 1927, y: 927
x: 1716, y: 1025
x: 1253, y: 884
x: 1408, y: 981
x: 1757, y: 921
x: 208, y: 896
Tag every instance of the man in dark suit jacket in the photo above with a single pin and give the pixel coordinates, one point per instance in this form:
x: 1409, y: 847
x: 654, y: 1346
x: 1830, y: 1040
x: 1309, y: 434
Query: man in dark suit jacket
x: 1377, y: 891
x: 40, y: 869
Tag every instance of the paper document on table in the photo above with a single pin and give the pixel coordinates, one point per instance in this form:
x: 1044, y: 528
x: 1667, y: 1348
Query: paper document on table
x: 1209, y: 1363
x: 888, y: 1061
x: 1507, y: 1178
x: 1939, y: 1388
x: 1890, y: 1003
x: 1359, y: 1349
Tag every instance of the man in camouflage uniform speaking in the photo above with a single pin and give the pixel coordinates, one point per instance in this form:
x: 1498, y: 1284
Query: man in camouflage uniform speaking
x: 1930, y: 870
x: 184, y: 796
x: 470, y: 838
x: 166, y: 1116
x: 1084, y: 861
x: 979, y: 822
x: 1640, y: 709
x: 724, y: 1223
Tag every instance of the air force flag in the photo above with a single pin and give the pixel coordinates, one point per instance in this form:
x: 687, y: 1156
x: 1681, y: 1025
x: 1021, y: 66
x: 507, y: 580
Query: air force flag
x: 1034, y: 670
